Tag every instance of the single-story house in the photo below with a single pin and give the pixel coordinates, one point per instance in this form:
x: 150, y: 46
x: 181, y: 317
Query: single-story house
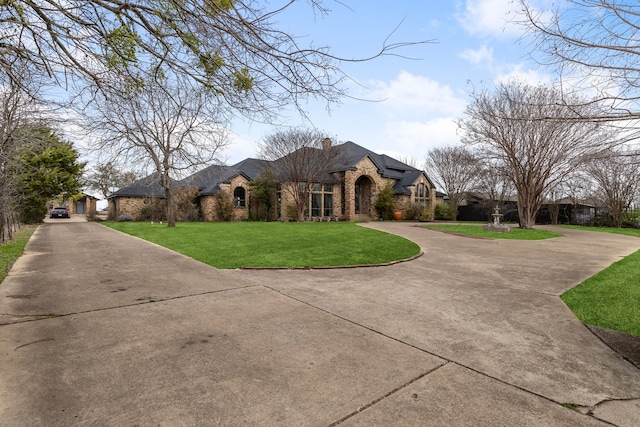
x: 348, y: 192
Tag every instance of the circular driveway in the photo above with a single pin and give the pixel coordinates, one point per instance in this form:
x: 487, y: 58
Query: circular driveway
x: 98, y: 327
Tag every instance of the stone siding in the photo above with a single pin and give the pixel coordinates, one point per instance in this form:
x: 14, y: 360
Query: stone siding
x: 209, y: 208
x: 365, y: 168
x: 130, y: 205
x: 240, y: 214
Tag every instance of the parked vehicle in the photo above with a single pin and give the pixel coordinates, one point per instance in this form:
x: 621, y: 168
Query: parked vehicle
x: 59, y: 212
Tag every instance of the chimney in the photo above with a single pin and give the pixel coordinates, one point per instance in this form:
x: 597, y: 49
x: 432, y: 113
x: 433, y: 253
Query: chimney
x: 326, y: 143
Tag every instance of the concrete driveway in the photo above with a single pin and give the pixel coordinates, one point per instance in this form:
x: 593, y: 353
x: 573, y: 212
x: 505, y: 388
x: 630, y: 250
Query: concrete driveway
x: 100, y: 328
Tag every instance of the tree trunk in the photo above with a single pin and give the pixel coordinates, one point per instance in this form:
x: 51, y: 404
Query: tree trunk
x: 527, y: 211
x: 554, y: 212
x: 171, y: 213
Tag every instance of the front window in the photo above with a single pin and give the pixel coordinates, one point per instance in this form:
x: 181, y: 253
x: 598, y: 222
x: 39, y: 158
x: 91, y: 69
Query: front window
x: 328, y: 204
x: 239, y: 197
x: 316, y: 204
x: 321, y: 200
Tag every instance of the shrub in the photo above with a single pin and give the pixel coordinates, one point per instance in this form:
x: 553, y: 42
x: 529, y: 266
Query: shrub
x: 443, y: 211
x: 185, y: 202
x: 224, y: 202
x: 417, y: 212
x: 631, y: 219
x: 602, y: 219
x: 426, y: 215
x: 290, y: 212
x: 153, y: 210
x: 384, y: 204
x: 125, y: 217
x: 93, y: 217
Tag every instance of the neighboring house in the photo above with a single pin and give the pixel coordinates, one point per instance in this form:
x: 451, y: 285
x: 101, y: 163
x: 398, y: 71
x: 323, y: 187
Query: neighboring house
x: 348, y: 192
x: 479, y: 207
x: 568, y: 211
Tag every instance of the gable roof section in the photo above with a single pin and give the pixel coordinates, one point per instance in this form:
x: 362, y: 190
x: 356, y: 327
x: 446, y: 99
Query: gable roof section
x: 351, y: 153
x: 149, y: 186
x: 404, y: 174
x: 407, y: 179
x: 209, y: 179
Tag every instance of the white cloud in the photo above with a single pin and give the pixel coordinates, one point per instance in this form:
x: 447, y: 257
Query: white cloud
x: 478, y: 56
x: 490, y: 17
x: 529, y: 76
x: 414, y: 138
x: 414, y: 96
x: 240, y: 148
x: 416, y: 115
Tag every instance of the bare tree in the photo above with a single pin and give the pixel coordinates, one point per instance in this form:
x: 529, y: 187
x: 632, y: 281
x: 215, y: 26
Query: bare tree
x: 106, y: 177
x: 577, y: 188
x: 12, y: 104
x: 454, y: 169
x: 531, y: 131
x: 233, y: 47
x: 167, y: 125
x: 616, y: 175
x: 302, y: 158
x: 592, y: 44
x: 19, y: 112
x: 494, y: 185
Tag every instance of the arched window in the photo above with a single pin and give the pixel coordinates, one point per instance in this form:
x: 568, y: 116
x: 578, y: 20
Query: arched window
x: 422, y: 194
x: 239, y: 197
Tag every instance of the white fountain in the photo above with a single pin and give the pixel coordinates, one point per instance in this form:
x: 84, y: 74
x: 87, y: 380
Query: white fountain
x: 497, y: 225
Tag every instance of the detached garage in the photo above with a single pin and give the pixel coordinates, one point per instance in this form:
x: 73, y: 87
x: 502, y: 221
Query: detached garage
x: 85, y: 205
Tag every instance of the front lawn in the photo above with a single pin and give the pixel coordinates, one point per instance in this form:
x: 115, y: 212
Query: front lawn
x: 275, y: 244
x: 626, y: 231
x: 611, y: 298
x: 9, y: 252
x: 516, y: 233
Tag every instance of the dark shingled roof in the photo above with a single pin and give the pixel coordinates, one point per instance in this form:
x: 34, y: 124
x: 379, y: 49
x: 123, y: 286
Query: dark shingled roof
x: 351, y: 153
x: 209, y: 179
x: 149, y: 186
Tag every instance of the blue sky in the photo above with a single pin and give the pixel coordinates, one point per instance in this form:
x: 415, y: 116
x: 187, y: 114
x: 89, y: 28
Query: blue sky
x: 419, y: 100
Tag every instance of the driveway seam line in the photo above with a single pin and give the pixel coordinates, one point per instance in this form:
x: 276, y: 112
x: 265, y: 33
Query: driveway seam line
x: 38, y: 317
x: 386, y: 395
x: 446, y: 359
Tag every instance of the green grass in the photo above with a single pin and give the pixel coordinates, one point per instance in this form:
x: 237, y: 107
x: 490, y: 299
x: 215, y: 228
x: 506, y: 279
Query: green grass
x: 625, y: 231
x: 274, y: 244
x: 477, y: 230
x: 9, y: 252
x: 611, y: 298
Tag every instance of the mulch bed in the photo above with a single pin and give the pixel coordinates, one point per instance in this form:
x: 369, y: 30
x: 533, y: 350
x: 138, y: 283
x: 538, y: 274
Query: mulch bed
x: 626, y: 345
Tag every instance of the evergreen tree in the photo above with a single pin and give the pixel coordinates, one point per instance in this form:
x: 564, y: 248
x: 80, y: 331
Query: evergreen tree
x: 48, y: 167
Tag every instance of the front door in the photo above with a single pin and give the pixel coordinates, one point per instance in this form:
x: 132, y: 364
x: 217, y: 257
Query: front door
x: 362, y: 196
